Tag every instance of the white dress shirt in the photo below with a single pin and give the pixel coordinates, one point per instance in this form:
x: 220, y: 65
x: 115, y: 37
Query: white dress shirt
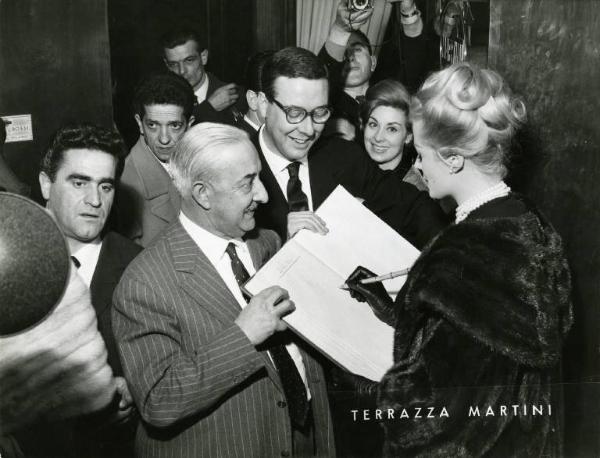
x: 88, y: 256
x: 278, y: 165
x: 202, y: 91
x: 213, y: 248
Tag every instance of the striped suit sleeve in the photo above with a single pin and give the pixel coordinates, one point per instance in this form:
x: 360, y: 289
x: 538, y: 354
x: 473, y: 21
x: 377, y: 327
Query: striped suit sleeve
x: 167, y: 383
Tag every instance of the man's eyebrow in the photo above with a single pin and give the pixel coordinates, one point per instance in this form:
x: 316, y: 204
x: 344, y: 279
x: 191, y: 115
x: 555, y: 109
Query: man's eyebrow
x: 77, y: 176
x: 250, y: 176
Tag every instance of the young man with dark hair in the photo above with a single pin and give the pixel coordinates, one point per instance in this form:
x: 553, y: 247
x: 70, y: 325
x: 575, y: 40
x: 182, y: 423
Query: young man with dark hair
x: 185, y: 55
x: 78, y: 178
x: 252, y: 120
x: 147, y: 200
x: 299, y: 172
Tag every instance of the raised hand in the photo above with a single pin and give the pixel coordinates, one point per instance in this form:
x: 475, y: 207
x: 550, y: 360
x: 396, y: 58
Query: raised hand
x: 350, y: 20
x: 224, y: 97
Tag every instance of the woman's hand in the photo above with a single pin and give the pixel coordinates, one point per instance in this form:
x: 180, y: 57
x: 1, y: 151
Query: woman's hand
x: 373, y: 293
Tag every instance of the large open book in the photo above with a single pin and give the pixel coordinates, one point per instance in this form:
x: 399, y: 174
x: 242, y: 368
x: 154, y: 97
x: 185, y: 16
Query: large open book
x: 312, y: 268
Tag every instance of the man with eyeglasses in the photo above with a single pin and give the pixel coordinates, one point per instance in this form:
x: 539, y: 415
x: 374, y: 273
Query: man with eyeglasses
x: 299, y: 172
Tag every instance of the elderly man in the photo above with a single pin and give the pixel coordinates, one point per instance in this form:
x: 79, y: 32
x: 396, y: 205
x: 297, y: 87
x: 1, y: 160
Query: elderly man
x: 184, y: 54
x: 299, y: 172
x: 148, y: 202
x: 78, y: 179
x: 213, y: 373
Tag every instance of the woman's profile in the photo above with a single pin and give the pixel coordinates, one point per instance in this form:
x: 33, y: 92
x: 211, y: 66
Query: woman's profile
x: 481, y: 319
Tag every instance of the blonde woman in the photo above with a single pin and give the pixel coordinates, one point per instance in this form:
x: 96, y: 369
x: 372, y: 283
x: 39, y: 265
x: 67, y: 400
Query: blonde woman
x: 482, y: 317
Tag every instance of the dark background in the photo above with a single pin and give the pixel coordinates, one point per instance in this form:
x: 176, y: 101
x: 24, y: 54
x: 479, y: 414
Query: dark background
x: 57, y: 57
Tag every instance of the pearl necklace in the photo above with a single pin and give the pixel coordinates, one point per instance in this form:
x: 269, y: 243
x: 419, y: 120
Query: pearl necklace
x: 498, y: 190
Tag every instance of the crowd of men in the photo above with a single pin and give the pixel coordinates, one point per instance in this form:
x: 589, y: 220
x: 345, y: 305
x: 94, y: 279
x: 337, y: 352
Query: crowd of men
x: 165, y: 236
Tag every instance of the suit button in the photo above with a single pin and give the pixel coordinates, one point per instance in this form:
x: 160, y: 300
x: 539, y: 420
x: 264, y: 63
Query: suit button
x: 281, y: 404
x: 285, y: 453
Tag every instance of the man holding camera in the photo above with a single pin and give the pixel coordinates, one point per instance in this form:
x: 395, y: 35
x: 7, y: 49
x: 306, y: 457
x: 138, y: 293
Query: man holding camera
x: 351, y: 60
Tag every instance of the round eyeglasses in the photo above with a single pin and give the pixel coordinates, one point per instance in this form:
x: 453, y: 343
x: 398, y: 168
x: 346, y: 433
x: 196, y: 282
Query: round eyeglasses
x: 295, y: 115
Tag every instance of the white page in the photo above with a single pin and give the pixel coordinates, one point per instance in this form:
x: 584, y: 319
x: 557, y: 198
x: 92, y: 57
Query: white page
x: 344, y: 329
x: 358, y: 237
x: 312, y: 268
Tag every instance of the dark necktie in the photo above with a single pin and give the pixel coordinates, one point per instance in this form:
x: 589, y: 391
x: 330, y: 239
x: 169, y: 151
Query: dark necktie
x: 293, y: 386
x: 360, y: 99
x: 76, y: 262
x: 297, y: 200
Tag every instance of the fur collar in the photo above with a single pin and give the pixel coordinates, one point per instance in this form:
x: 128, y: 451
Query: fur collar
x: 502, y: 281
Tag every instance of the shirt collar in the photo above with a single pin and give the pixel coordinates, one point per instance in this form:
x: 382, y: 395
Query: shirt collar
x: 202, y: 91
x: 252, y: 123
x: 86, y: 250
x: 211, y: 245
x: 277, y: 163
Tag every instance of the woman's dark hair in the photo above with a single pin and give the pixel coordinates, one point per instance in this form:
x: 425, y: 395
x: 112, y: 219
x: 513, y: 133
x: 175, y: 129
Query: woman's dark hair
x: 386, y: 93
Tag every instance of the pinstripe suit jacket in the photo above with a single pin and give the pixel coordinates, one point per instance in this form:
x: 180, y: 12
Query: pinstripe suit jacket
x: 201, y: 387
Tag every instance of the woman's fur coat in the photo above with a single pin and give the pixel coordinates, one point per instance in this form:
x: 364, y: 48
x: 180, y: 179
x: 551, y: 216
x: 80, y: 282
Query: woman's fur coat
x: 480, y: 323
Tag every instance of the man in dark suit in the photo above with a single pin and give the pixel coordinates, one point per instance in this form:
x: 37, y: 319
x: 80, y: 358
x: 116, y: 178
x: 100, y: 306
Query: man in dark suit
x: 213, y: 373
x: 184, y: 55
x: 77, y: 179
x: 299, y: 172
x: 252, y: 120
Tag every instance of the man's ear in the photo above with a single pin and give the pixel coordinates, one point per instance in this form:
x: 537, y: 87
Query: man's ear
x: 190, y: 122
x: 138, y: 120
x: 252, y: 99
x: 45, y: 185
x: 408, y: 139
x: 201, y: 194
x: 373, y: 63
x: 263, y: 104
x: 204, y: 57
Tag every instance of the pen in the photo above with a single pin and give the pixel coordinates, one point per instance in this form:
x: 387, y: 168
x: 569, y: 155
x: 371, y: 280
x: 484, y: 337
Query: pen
x: 366, y: 281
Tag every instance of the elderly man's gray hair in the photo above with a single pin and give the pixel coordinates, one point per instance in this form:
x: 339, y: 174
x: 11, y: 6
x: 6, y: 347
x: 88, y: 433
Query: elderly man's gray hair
x: 195, y: 159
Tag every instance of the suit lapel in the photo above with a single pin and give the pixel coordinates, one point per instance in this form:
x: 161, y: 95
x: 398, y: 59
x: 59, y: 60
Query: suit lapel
x: 273, y: 214
x: 158, y: 189
x: 321, y: 182
x: 201, y: 279
x: 106, y: 276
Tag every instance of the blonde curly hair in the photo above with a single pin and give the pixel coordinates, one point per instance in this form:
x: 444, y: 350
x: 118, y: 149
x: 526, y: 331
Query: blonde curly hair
x: 472, y: 112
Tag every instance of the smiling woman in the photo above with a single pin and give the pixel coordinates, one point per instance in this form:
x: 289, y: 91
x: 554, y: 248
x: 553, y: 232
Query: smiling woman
x: 387, y: 131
